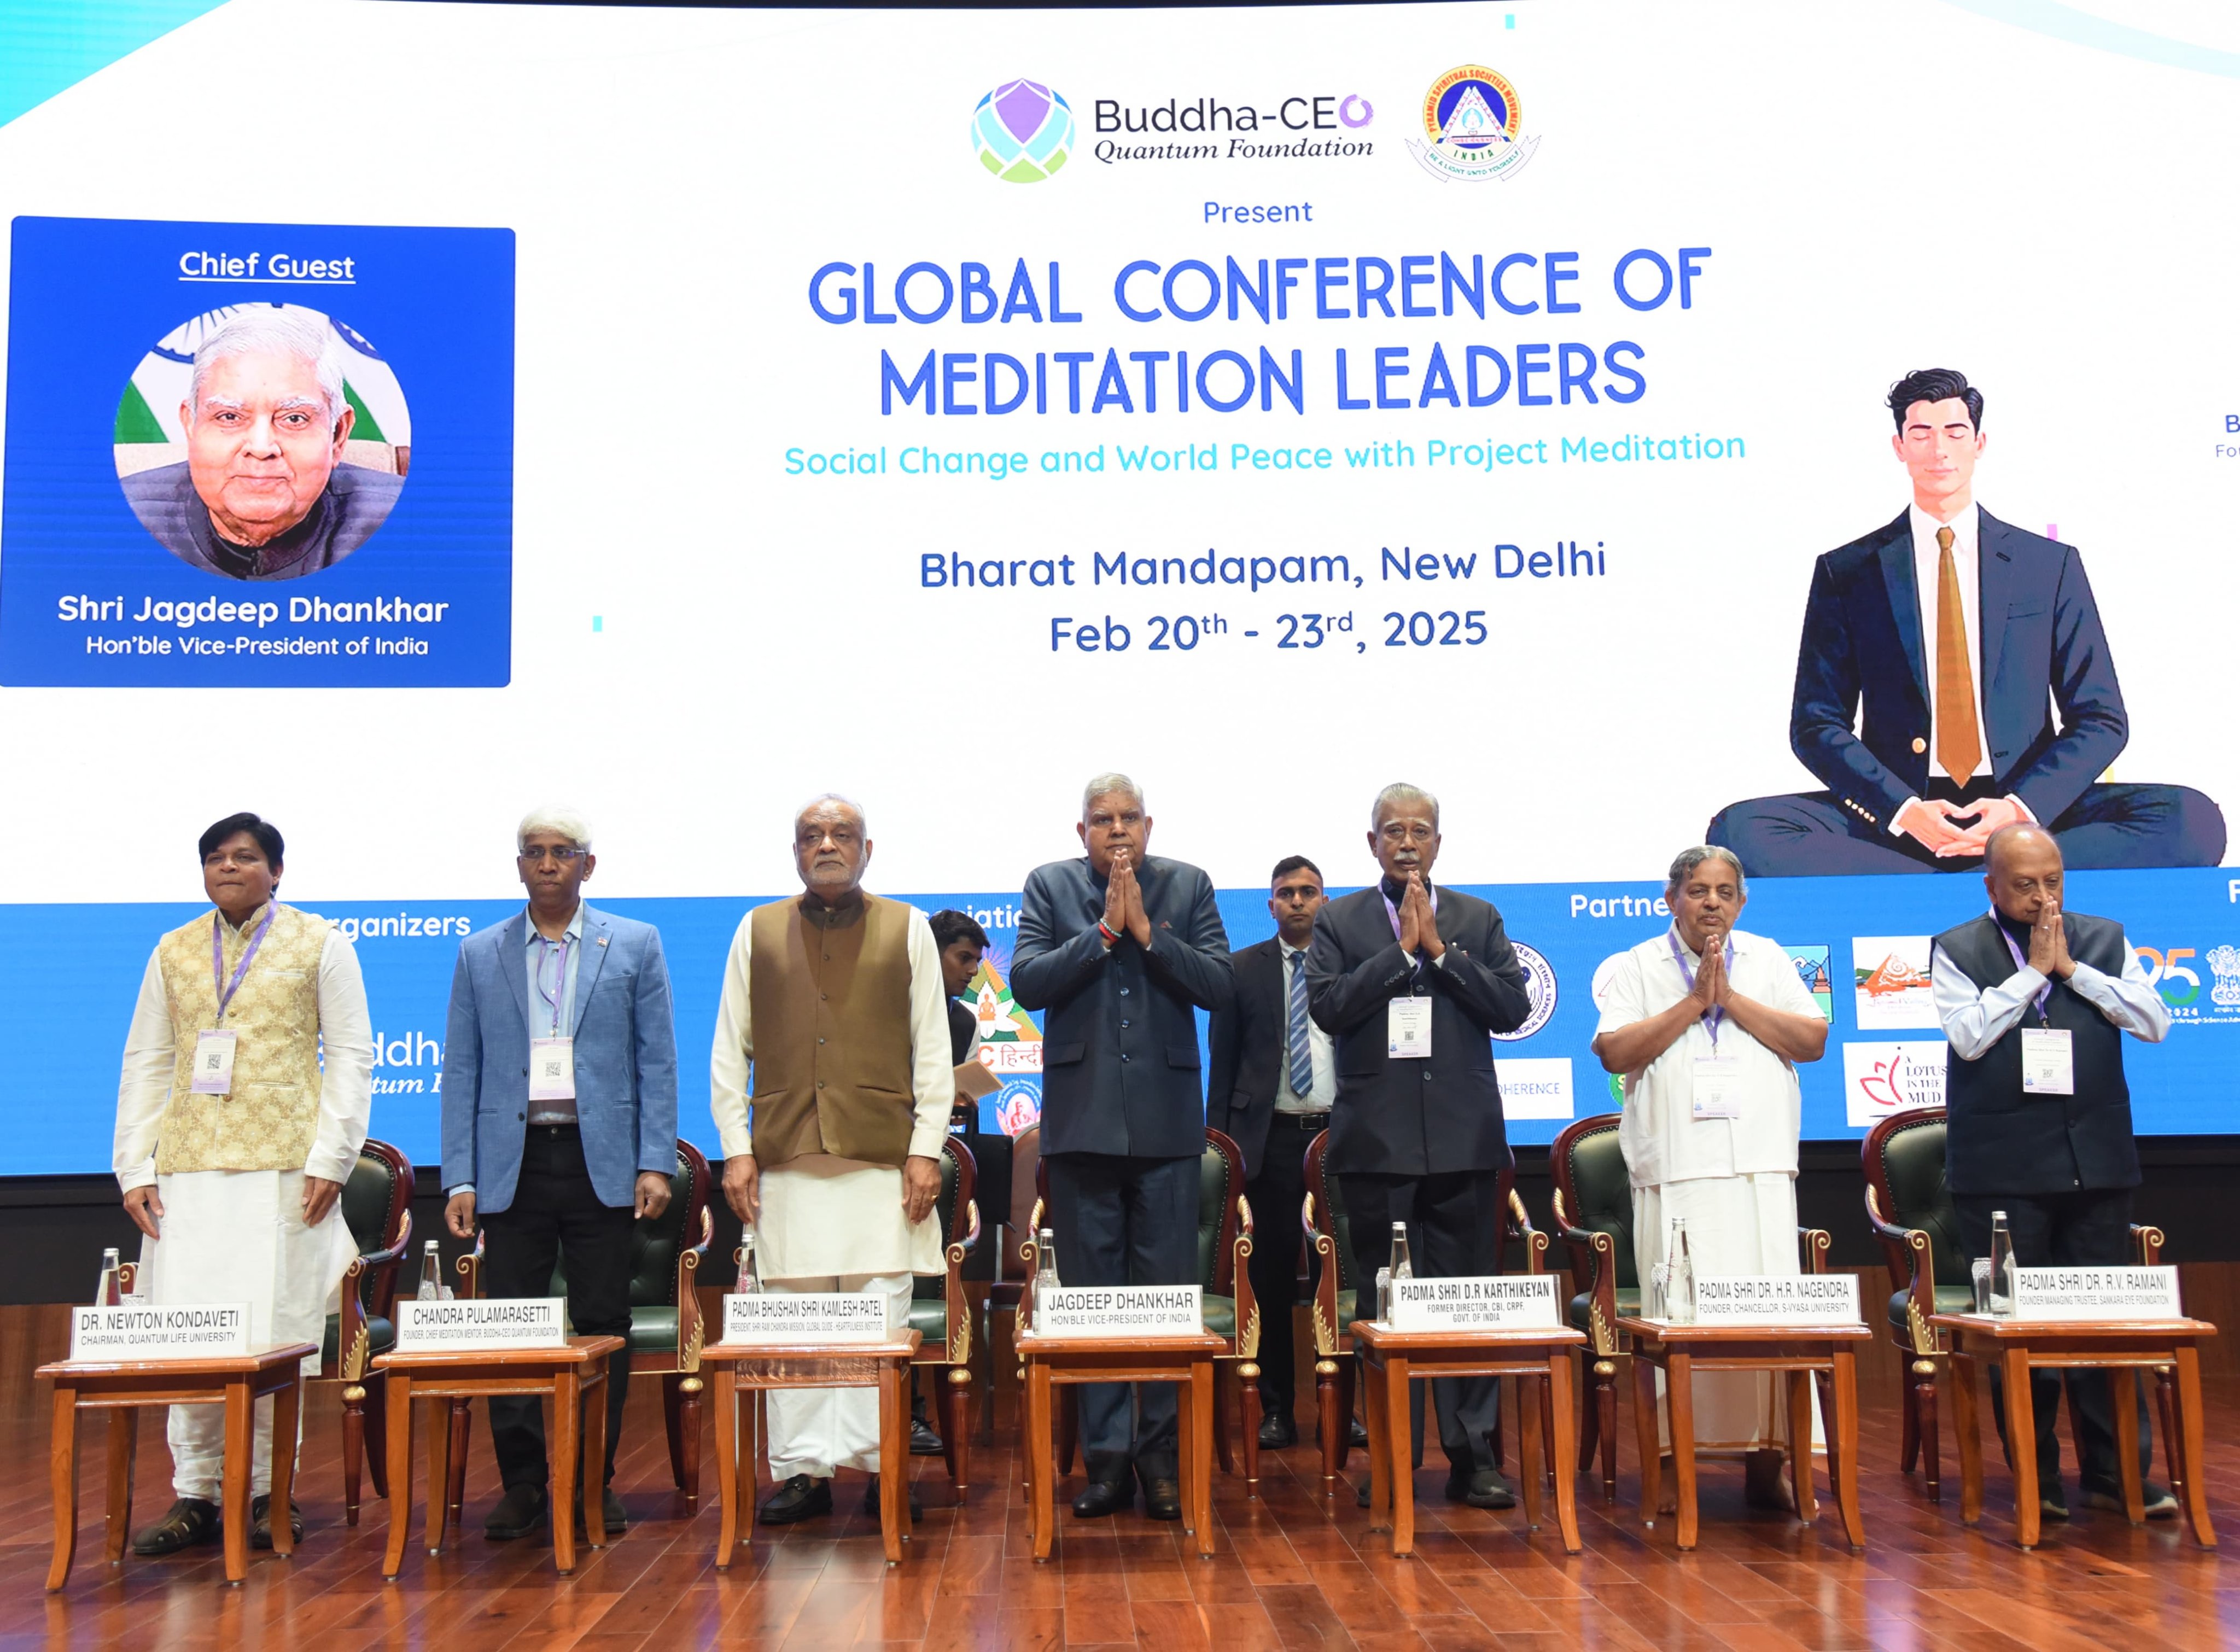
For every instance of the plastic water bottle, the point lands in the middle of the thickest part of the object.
(431, 1274)
(1046, 1263)
(751, 1265)
(1680, 1289)
(1398, 1268)
(109, 1293)
(2002, 1267)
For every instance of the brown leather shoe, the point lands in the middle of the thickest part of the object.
(191, 1521)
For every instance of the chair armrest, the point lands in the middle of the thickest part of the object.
(971, 1242)
(1911, 1246)
(957, 1313)
(1248, 1310)
(1813, 1244)
(127, 1277)
(469, 1269)
(1578, 1241)
(353, 1340)
(1536, 1243)
(385, 1266)
(1601, 1292)
(2149, 1242)
(1326, 1301)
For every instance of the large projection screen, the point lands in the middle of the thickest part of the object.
(941, 408)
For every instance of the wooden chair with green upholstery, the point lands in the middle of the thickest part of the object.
(666, 1329)
(1594, 1218)
(376, 1204)
(942, 1314)
(1910, 1207)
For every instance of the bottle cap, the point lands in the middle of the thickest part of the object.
(1998, 1215)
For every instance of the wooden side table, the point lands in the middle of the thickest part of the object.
(759, 1366)
(121, 1387)
(2122, 1349)
(1186, 1360)
(570, 1374)
(1800, 1353)
(1390, 1360)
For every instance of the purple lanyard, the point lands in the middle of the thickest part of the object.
(225, 989)
(559, 978)
(2021, 962)
(1714, 1015)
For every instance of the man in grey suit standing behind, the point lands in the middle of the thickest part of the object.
(559, 1123)
(1123, 949)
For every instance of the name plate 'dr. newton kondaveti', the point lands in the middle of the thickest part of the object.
(177, 1331)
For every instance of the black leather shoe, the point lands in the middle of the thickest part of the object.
(612, 1515)
(2052, 1504)
(1163, 1498)
(871, 1501)
(2157, 1502)
(1356, 1435)
(924, 1443)
(1480, 1489)
(191, 1521)
(799, 1498)
(1361, 1494)
(1276, 1432)
(1103, 1497)
(520, 1512)
(260, 1522)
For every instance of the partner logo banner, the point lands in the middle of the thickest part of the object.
(1880, 1080)
(1473, 128)
(1890, 976)
(1535, 1087)
(1293, 126)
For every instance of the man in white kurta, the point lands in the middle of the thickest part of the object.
(1707, 1024)
(234, 1187)
(831, 1086)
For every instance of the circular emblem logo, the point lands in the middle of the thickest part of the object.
(1473, 127)
(1022, 131)
(1539, 987)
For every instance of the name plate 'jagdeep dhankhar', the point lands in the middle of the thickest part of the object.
(1119, 1311)
(476, 1323)
(1796, 1299)
(805, 1316)
(181, 1331)
(2096, 1292)
(1490, 1302)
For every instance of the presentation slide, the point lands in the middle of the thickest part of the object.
(414, 414)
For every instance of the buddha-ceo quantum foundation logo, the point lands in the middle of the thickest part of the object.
(1022, 131)
(1473, 128)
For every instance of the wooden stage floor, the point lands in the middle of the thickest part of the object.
(1294, 1573)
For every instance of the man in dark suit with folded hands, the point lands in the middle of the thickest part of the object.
(1412, 981)
(1122, 950)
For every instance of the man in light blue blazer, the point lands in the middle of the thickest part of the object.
(559, 1123)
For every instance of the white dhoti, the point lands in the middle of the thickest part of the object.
(835, 1224)
(1737, 1225)
(239, 1236)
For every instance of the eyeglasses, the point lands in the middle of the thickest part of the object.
(1395, 831)
(565, 853)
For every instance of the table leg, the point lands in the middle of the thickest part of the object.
(594, 1480)
(1529, 1443)
(566, 1458)
(1680, 1405)
(1644, 1434)
(2022, 1442)
(1186, 1432)
(1040, 1466)
(2122, 1392)
(751, 1481)
(1843, 1432)
(439, 1472)
(2188, 1430)
(399, 1401)
(240, 1448)
(894, 1458)
(1799, 1384)
(1380, 1456)
(727, 1461)
(123, 1450)
(1400, 1449)
(62, 1472)
(1200, 1485)
(1970, 1439)
(287, 1407)
(1566, 1465)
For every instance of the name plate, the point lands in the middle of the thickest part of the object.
(1494, 1302)
(1120, 1310)
(495, 1321)
(1799, 1299)
(807, 1316)
(181, 1331)
(2096, 1292)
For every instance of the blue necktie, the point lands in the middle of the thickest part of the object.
(1295, 1035)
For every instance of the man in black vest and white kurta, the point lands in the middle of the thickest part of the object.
(2035, 1001)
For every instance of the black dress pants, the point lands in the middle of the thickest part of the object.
(2087, 1228)
(1277, 1192)
(1454, 1222)
(556, 1217)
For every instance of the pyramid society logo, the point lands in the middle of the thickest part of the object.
(1473, 128)
(1022, 131)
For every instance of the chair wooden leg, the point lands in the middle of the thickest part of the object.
(1908, 1440)
(1335, 1423)
(454, 1487)
(1924, 1399)
(1248, 1408)
(353, 1449)
(1222, 1447)
(377, 1433)
(672, 1397)
(1547, 1429)
(1068, 1427)
(689, 1411)
(1606, 1406)
(1349, 1375)
(957, 1427)
(1590, 1413)
(2165, 1401)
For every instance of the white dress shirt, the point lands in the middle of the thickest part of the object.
(1663, 1140)
(1973, 1019)
(1323, 1090)
(345, 1088)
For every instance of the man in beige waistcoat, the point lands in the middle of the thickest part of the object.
(232, 1144)
(835, 999)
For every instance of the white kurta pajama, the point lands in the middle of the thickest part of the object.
(829, 1223)
(1732, 1179)
(238, 1234)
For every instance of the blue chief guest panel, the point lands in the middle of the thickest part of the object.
(69, 976)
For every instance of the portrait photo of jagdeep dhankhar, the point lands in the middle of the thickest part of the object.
(263, 441)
